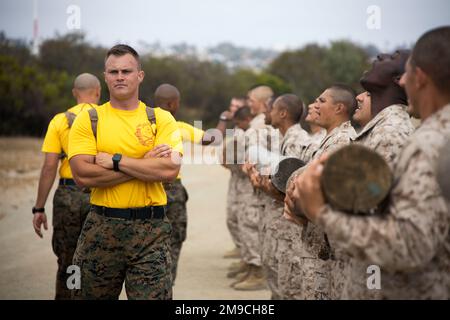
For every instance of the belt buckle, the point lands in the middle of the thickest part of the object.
(152, 212)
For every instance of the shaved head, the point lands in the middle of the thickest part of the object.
(165, 94)
(167, 97)
(86, 81)
(432, 54)
(292, 104)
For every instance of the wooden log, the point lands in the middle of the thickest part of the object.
(356, 180)
(283, 171)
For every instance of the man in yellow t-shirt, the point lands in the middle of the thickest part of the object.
(70, 204)
(126, 236)
(167, 97)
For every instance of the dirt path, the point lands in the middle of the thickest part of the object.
(28, 265)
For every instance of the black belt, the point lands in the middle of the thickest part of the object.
(67, 182)
(154, 212)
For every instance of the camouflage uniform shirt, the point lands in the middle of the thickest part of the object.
(410, 243)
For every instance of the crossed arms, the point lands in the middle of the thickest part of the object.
(158, 165)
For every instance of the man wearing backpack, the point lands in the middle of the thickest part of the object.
(70, 203)
(126, 236)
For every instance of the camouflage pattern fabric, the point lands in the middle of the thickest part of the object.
(112, 251)
(314, 257)
(177, 197)
(410, 242)
(70, 208)
(234, 201)
(387, 134)
(253, 201)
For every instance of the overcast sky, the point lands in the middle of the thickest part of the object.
(254, 23)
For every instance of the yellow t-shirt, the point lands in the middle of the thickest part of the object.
(57, 137)
(131, 134)
(190, 133)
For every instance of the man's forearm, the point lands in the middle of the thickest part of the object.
(88, 174)
(150, 169)
(102, 178)
(46, 180)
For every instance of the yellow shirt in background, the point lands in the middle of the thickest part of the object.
(131, 134)
(190, 133)
(57, 137)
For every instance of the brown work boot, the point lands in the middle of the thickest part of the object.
(235, 265)
(232, 254)
(242, 267)
(255, 280)
(241, 276)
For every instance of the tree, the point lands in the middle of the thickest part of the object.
(29, 97)
(346, 63)
(313, 68)
(34, 89)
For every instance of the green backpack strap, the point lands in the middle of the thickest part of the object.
(151, 114)
(70, 118)
(151, 117)
(93, 115)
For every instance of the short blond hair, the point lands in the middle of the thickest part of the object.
(261, 93)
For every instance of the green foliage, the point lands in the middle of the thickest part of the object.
(312, 69)
(29, 97)
(34, 89)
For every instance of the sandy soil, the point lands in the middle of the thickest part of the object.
(28, 265)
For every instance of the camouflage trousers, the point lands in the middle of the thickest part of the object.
(291, 279)
(70, 208)
(233, 206)
(269, 246)
(304, 262)
(177, 197)
(112, 251)
(250, 211)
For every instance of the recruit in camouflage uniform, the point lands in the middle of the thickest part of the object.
(281, 236)
(312, 268)
(271, 209)
(237, 180)
(314, 142)
(386, 134)
(253, 202)
(410, 242)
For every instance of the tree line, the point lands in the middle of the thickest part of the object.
(34, 88)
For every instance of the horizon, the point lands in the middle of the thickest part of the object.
(280, 25)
